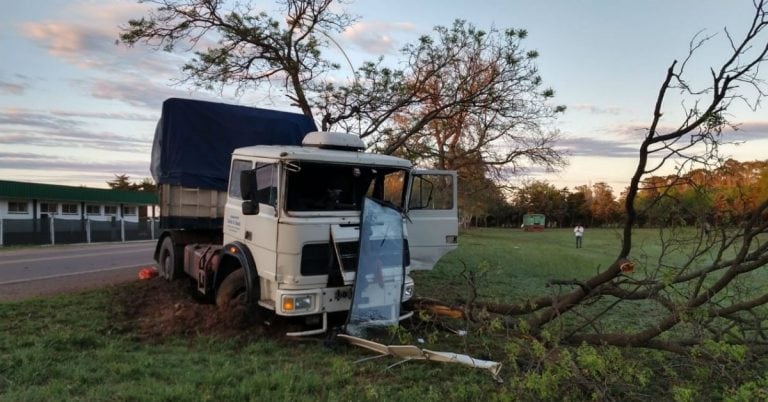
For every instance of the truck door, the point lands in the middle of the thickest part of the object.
(257, 229)
(433, 228)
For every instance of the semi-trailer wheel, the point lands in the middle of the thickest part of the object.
(170, 260)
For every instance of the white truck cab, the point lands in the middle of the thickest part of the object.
(291, 223)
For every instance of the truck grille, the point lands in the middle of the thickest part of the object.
(320, 259)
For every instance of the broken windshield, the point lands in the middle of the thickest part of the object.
(313, 186)
(378, 288)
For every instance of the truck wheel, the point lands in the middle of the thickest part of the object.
(170, 260)
(232, 291)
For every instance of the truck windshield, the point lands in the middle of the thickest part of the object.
(313, 186)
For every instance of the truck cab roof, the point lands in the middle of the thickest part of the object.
(307, 153)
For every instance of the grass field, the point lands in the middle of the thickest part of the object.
(82, 346)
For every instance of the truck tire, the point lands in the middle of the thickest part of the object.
(232, 291)
(170, 260)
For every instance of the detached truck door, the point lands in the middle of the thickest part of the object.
(433, 229)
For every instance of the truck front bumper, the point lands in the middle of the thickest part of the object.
(321, 302)
(301, 302)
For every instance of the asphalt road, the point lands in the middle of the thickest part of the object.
(37, 271)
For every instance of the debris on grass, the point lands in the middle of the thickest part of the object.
(411, 352)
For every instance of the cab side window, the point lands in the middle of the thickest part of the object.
(431, 191)
(266, 192)
(238, 166)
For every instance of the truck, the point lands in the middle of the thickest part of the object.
(260, 209)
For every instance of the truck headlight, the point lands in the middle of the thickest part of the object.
(407, 291)
(297, 303)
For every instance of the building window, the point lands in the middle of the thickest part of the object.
(93, 210)
(18, 207)
(69, 209)
(129, 211)
(49, 208)
(110, 210)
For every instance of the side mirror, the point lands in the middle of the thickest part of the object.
(248, 184)
(250, 207)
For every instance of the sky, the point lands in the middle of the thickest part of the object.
(77, 107)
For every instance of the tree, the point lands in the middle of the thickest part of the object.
(146, 184)
(253, 49)
(705, 285)
(583, 200)
(465, 96)
(542, 197)
(576, 210)
(120, 182)
(467, 99)
(123, 182)
(604, 208)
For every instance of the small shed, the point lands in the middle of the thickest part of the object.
(534, 222)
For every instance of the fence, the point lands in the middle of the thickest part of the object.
(67, 231)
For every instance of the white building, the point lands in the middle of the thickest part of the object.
(20, 200)
(33, 213)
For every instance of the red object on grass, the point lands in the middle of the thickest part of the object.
(147, 273)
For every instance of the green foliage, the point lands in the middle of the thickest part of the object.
(756, 390)
(683, 394)
(123, 182)
(71, 347)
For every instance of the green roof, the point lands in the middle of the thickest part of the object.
(17, 189)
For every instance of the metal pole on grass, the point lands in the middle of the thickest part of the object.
(88, 230)
(122, 230)
(53, 230)
(1, 232)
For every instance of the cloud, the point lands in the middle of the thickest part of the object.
(12, 88)
(22, 117)
(623, 140)
(586, 146)
(93, 47)
(757, 130)
(87, 36)
(34, 128)
(42, 162)
(596, 109)
(376, 37)
(17, 86)
(137, 91)
(107, 116)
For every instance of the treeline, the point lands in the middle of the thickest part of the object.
(704, 197)
(123, 182)
(696, 198)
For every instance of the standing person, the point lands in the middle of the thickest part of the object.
(578, 231)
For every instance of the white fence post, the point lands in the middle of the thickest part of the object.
(88, 230)
(122, 230)
(53, 230)
(1, 231)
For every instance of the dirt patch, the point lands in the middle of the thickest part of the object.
(156, 309)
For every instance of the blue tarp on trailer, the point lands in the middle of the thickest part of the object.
(194, 139)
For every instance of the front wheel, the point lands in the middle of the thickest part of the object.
(232, 291)
(232, 300)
